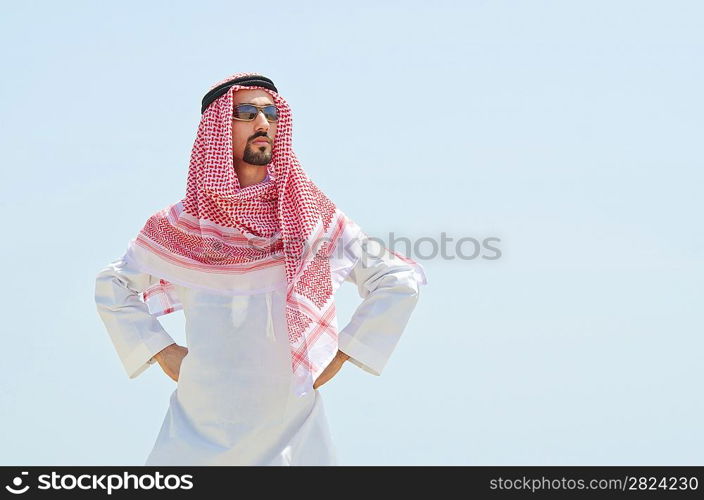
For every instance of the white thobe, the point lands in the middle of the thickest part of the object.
(233, 403)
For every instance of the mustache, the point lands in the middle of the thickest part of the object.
(255, 137)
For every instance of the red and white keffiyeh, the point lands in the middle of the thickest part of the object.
(224, 238)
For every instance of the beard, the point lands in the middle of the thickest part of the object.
(257, 155)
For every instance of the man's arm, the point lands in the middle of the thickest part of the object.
(136, 335)
(390, 289)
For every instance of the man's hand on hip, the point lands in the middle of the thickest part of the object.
(170, 358)
(331, 369)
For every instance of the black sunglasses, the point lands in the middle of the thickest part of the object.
(248, 112)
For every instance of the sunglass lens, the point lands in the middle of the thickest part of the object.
(271, 113)
(245, 112)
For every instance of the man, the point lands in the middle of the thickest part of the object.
(253, 255)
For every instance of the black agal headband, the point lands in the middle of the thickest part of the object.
(246, 81)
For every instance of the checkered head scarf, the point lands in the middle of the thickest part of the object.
(224, 238)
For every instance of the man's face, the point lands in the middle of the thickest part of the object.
(244, 134)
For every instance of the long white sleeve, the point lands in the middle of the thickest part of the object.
(136, 334)
(390, 289)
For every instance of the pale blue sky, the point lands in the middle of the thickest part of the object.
(572, 131)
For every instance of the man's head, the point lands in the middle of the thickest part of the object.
(245, 134)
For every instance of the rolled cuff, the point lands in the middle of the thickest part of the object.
(362, 355)
(141, 356)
